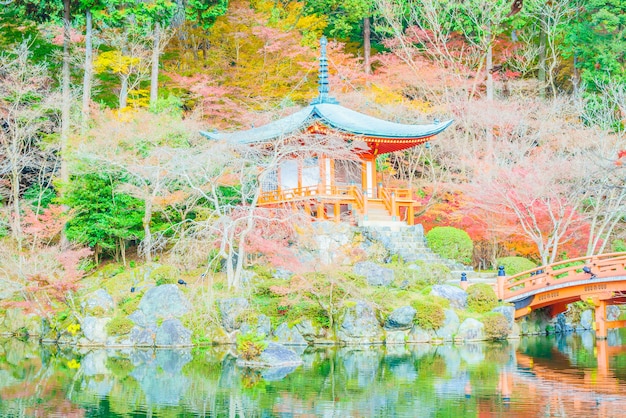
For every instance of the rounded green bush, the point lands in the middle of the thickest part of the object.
(481, 298)
(429, 315)
(514, 265)
(496, 326)
(451, 243)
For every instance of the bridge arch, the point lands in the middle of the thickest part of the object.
(599, 279)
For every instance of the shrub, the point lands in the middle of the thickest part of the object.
(428, 314)
(481, 298)
(165, 275)
(250, 345)
(120, 325)
(618, 246)
(514, 265)
(451, 243)
(496, 326)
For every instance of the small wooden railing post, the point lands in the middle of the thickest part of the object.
(394, 207)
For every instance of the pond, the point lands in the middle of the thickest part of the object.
(563, 376)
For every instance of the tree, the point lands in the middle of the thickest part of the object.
(25, 112)
(142, 147)
(596, 41)
(101, 217)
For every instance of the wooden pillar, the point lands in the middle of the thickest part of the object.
(410, 215)
(307, 208)
(320, 210)
(337, 212)
(601, 329)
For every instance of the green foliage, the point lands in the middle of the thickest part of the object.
(481, 298)
(165, 275)
(618, 246)
(596, 38)
(102, 217)
(514, 265)
(250, 346)
(38, 196)
(120, 325)
(496, 326)
(451, 243)
(429, 315)
(129, 304)
(575, 311)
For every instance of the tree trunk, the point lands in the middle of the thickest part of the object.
(87, 76)
(489, 63)
(154, 76)
(66, 94)
(541, 75)
(15, 195)
(367, 46)
(123, 91)
(147, 239)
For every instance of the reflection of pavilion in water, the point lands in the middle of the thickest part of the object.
(585, 391)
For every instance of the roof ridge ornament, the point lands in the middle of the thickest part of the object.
(324, 85)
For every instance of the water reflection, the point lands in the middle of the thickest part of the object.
(571, 376)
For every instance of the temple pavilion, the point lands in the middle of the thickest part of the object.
(339, 189)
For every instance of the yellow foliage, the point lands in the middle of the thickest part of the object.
(114, 61)
(73, 364)
(386, 96)
(73, 329)
(139, 98)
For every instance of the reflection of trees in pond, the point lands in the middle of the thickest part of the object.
(348, 381)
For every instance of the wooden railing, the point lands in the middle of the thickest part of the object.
(599, 266)
(392, 198)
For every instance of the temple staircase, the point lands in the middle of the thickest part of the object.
(378, 216)
(409, 243)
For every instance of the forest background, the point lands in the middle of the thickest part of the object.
(102, 101)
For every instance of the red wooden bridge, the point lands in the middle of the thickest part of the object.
(599, 280)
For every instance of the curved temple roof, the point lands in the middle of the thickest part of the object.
(381, 136)
(336, 117)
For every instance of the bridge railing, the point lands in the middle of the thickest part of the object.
(597, 266)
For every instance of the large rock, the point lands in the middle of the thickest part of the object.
(263, 326)
(98, 300)
(450, 326)
(143, 336)
(418, 335)
(612, 313)
(471, 330)
(586, 319)
(94, 330)
(508, 312)
(456, 295)
(165, 301)
(310, 332)
(401, 318)
(274, 355)
(289, 336)
(173, 334)
(358, 325)
(330, 238)
(374, 274)
(395, 337)
(16, 321)
(230, 310)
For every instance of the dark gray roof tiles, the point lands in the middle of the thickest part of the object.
(334, 116)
